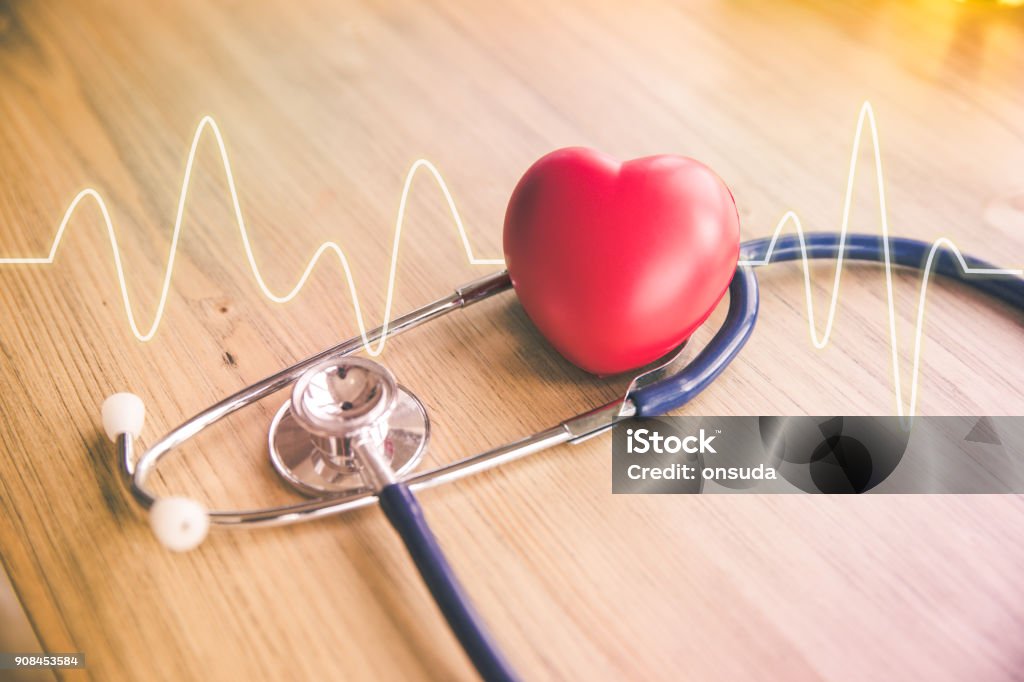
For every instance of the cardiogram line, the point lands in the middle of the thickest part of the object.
(867, 117)
(207, 122)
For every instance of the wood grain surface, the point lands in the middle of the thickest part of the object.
(323, 109)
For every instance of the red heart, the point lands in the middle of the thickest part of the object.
(618, 263)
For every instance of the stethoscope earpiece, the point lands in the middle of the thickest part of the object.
(179, 523)
(123, 413)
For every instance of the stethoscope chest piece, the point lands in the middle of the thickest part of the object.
(338, 408)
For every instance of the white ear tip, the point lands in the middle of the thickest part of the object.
(179, 523)
(123, 413)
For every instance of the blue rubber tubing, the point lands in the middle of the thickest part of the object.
(909, 253)
(679, 389)
(675, 391)
(406, 516)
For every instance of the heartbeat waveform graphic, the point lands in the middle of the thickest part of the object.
(208, 123)
(867, 118)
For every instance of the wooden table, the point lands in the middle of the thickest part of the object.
(323, 109)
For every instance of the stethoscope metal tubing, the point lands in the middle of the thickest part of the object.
(282, 379)
(571, 430)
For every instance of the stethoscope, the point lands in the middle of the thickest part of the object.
(351, 435)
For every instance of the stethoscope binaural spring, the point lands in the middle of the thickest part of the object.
(351, 435)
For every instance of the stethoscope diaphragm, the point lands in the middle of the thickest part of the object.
(337, 407)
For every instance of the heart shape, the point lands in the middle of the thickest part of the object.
(618, 263)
